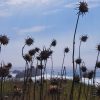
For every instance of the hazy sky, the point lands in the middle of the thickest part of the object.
(45, 20)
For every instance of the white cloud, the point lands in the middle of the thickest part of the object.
(14, 6)
(30, 2)
(70, 5)
(52, 11)
(91, 4)
(34, 29)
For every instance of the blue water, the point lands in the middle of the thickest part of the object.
(70, 72)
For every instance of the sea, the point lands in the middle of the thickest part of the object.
(69, 74)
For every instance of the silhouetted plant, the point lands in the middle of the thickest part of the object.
(97, 63)
(66, 50)
(83, 38)
(28, 59)
(83, 68)
(4, 72)
(29, 41)
(4, 40)
(78, 61)
(4, 69)
(42, 58)
(82, 9)
(53, 43)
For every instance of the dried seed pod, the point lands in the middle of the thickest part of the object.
(66, 50)
(37, 49)
(90, 74)
(28, 57)
(45, 54)
(32, 52)
(78, 61)
(4, 39)
(9, 65)
(38, 58)
(83, 7)
(54, 42)
(98, 64)
(29, 41)
(84, 38)
(4, 72)
(98, 47)
(83, 68)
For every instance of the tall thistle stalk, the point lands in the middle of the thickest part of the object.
(66, 50)
(4, 40)
(42, 58)
(53, 44)
(97, 65)
(83, 8)
(82, 39)
(27, 57)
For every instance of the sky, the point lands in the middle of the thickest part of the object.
(45, 20)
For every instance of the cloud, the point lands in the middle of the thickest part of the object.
(91, 4)
(30, 2)
(34, 29)
(52, 11)
(24, 6)
(70, 5)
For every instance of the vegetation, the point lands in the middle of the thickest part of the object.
(57, 88)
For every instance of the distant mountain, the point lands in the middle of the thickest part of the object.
(29, 72)
(16, 71)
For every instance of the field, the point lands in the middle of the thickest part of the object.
(13, 90)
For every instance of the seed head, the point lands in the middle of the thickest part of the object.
(32, 52)
(83, 7)
(90, 74)
(53, 43)
(37, 49)
(4, 72)
(66, 50)
(28, 57)
(98, 47)
(78, 61)
(84, 38)
(98, 64)
(8, 66)
(29, 41)
(83, 68)
(4, 40)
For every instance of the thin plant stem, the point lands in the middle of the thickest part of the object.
(73, 57)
